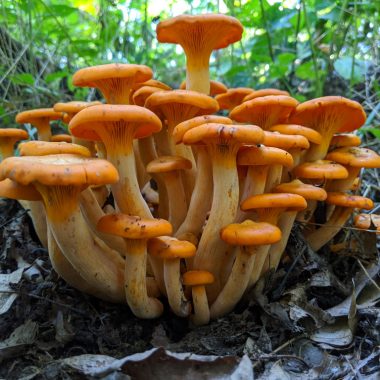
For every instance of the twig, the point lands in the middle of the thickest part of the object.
(336, 226)
(276, 357)
(42, 299)
(14, 218)
(280, 348)
(313, 54)
(367, 274)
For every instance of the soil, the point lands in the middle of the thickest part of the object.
(273, 325)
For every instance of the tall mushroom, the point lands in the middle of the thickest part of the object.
(327, 115)
(8, 138)
(136, 231)
(252, 239)
(201, 198)
(39, 118)
(117, 126)
(199, 35)
(60, 179)
(223, 142)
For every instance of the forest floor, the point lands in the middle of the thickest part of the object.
(317, 317)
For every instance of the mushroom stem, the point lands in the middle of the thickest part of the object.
(260, 257)
(223, 211)
(285, 224)
(198, 73)
(43, 129)
(254, 184)
(92, 212)
(201, 199)
(135, 281)
(201, 314)
(38, 216)
(65, 270)
(176, 297)
(274, 178)
(127, 191)
(324, 234)
(237, 281)
(177, 198)
(99, 266)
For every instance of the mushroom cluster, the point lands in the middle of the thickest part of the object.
(202, 203)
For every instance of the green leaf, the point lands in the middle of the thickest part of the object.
(23, 79)
(344, 68)
(305, 70)
(55, 76)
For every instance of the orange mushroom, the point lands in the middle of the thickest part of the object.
(201, 197)
(8, 138)
(328, 115)
(344, 205)
(171, 251)
(136, 231)
(223, 142)
(198, 279)
(60, 179)
(114, 80)
(199, 35)
(264, 111)
(39, 118)
(252, 239)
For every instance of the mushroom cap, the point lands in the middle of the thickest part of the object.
(320, 169)
(165, 164)
(233, 97)
(62, 138)
(214, 30)
(263, 155)
(186, 125)
(215, 87)
(88, 76)
(286, 142)
(295, 129)
(59, 170)
(288, 201)
(345, 139)
(355, 157)
(151, 83)
(167, 247)
(250, 233)
(265, 111)
(343, 115)
(85, 123)
(197, 278)
(13, 190)
(305, 190)
(133, 227)
(362, 221)
(14, 133)
(142, 94)
(220, 134)
(43, 148)
(74, 106)
(347, 200)
(31, 116)
(205, 104)
(265, 92)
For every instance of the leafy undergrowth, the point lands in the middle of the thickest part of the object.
(289, 326)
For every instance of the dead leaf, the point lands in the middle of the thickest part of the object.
(7, 297)
(163, 365)
(19, 340)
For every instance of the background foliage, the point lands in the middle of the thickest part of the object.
(309, 47)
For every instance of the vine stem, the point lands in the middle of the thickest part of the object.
(355, 46)
(318, 91)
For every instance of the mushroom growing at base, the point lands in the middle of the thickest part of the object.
(136, 231)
